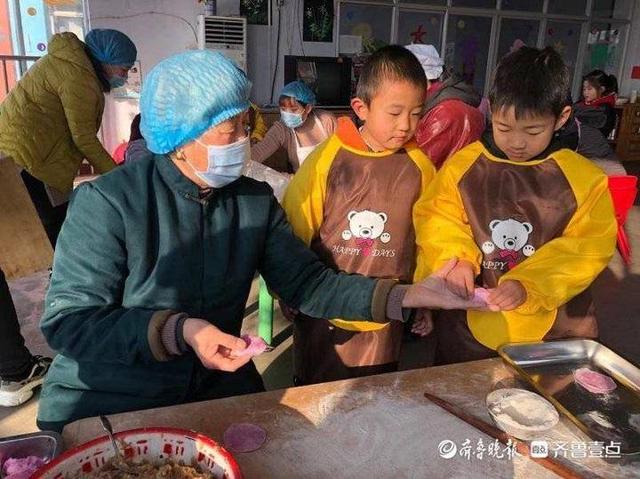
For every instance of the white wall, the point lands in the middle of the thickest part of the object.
(159, 35)
(156, 37)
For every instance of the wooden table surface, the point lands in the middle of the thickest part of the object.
(374, 427)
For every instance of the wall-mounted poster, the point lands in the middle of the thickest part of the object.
(604, 47)
(256, 11)
(318, 21)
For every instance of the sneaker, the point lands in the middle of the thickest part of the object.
(14, 393)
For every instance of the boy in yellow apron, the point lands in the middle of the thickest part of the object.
(530, 220)
(352, 201)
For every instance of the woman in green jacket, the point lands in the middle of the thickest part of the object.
(155, 261)
(50, 119)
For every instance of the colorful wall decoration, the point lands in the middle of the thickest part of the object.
(367, 21)
(420, 27)
(33, 17)
(467, 47)
(602, 43)
(564, 37)
(318, 18)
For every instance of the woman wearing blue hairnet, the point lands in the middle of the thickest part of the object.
(145, 305)
(48, 124)
(300, 129)
(50, 119)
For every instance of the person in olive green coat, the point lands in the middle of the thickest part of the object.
(156, 259)
(50, 119)
(48, 124)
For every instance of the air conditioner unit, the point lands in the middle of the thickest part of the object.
(227, 35)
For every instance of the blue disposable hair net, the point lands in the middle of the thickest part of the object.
(188, 93)
(300, 91)
(111, 47)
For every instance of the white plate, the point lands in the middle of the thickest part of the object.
(521, 413)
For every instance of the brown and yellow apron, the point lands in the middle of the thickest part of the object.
(366, 228)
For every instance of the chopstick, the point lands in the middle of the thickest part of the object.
(554, 466)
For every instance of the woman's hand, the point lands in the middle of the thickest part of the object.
(433, 293)
(216, 350)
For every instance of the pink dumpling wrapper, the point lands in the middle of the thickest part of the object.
(480, 295)
(594, 382)
(255, 346)
(244, 437)
(22, 468)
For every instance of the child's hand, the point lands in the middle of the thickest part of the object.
(433, 293)
(460, 279)
(508, 296)
(422, 323)
(288, 312)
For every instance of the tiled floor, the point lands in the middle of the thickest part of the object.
(616, 292)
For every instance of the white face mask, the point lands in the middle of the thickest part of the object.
(225, 163)
(117, 81)
(291, 120)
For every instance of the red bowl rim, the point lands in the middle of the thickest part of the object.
(173, 430)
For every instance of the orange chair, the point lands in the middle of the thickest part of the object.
(623, 192)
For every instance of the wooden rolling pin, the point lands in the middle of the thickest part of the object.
(554, 466)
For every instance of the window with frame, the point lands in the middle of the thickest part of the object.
(564, 37)
(468, 38)
(472, 35)
(418, 26)
(370, 22)
(26, 29)
(32, 23)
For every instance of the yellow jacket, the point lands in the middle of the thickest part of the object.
(342, 183)
(50, 119)
(548, 223)
(257, 124)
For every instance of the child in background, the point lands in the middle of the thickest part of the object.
(529, 219)
(137, 147)
(452, 119)
(591, 143)
(596, 109)
(352, 201)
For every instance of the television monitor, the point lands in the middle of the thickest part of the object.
(328, 77)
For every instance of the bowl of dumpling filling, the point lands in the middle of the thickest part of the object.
(147, 453)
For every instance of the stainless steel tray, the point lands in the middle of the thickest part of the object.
(46, 445)
(549, 368)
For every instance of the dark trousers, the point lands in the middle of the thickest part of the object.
(14, 356)
(51, 216)
(205, 385)
(324, 352)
